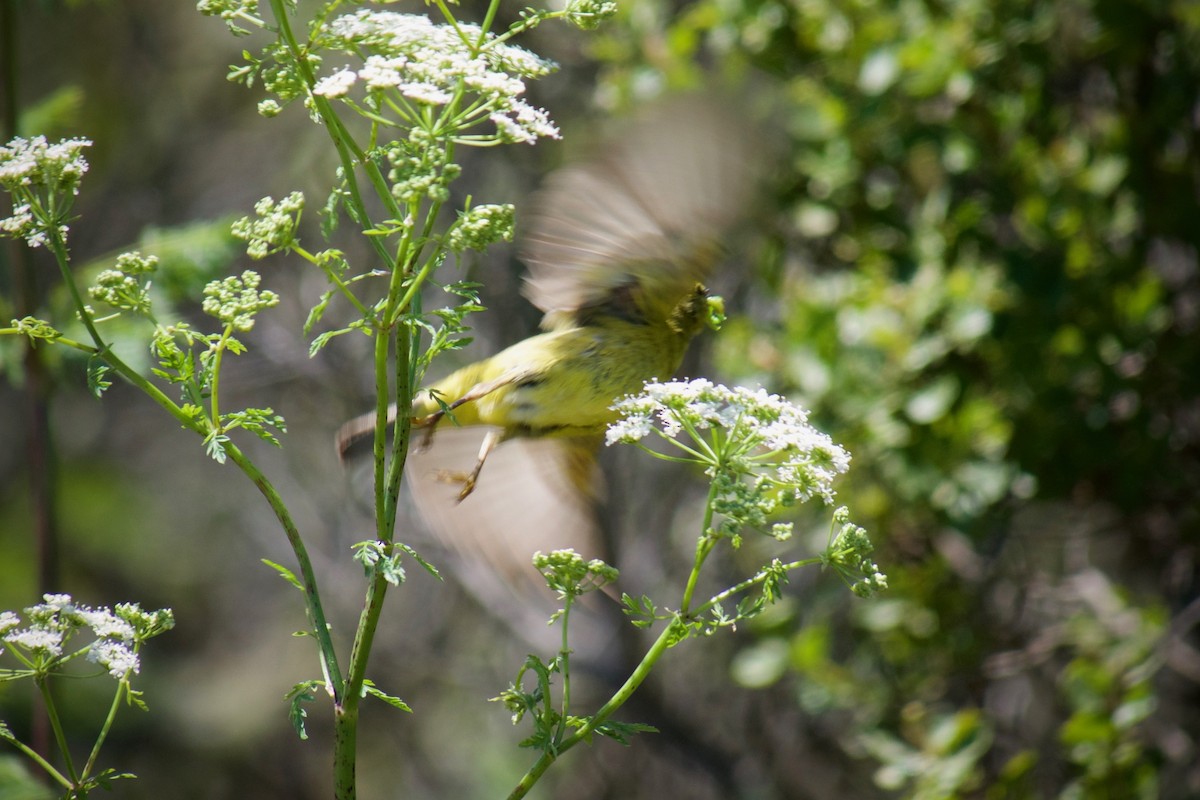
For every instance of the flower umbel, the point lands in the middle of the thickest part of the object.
(126, 286)
(848, 554)
(235, 300)
(43, 179)
(481, 226)
(418, 63)
(273, 227)
(42, 645)
(567, 573)
(759, 449)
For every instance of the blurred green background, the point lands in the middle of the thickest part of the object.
(977, 265)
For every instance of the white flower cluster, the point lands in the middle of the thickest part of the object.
(754, 418)
(53, 622)
(758, 448)
(42, 179)
(431, 64)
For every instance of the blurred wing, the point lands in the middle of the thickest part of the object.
(533, 494)
(649, 209)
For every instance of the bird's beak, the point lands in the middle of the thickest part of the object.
(716, 311)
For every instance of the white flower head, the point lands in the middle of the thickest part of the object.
(37, 163)
(40, 641)
(758, 448)
(39, 176)
(338, 84)
(115, 656)
(431, 64)
(107, 625)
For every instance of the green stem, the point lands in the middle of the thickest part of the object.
(122, 685)
(348, 151)
(754, 580)
(333, 278)
(404, 399)
(85, 348)
(311, 592)
(619, 698)
(703, 547)
(46, 766)
(668, 637)
(312, 595)
(379, 445)
(60, 736)
(564, 656)
(214, 409)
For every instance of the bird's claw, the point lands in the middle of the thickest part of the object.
(466, 479)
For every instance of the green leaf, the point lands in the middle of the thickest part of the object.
(391, 700)
(214, 445)
(430, 568)
(621, 731)
(316, 312)
(285, 573)
(323, 339)
(97, 376)
(642, 611)
(301, 693)
(256, 421)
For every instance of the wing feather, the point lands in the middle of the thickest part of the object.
(650, 208)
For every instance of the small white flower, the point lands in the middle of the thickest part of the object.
(269, 107)
(765, 456)
(116, 657)
(431, 64)
(37, 640)
(426, 93)
(107, 625)
(336, 85)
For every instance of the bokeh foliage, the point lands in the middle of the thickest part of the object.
(984, 279)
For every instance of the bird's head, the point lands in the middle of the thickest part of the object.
(697, 310)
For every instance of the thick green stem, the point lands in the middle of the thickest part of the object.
(404, 399)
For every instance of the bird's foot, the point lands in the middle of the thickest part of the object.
(466, 479)
(427, 428)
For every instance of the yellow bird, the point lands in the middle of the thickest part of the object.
(618, 250)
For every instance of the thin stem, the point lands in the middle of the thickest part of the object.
(564, 657)
(56, 725)
(122, 685)
(703, 547)
(37, 758)
(619, 698)
(219, 348)
(404, 398)
(379, 445)
(754, 580)
(335, 279)
(312, 594)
